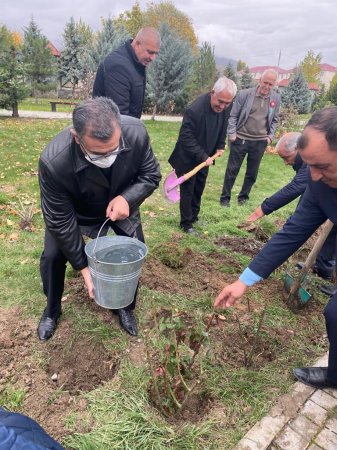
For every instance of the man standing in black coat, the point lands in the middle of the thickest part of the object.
(101, 167)
(202, 134)
(318, 149)
(122, 77)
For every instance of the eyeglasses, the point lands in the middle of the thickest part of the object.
(99, 156)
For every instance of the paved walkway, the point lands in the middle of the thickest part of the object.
(62, 115)
(304, 419)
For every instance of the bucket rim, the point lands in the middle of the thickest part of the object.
(137, 242)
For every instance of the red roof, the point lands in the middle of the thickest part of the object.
(311, 86)
(258, 69)
(324, 68)
(53, 49)
(328, 67)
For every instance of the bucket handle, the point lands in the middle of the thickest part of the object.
(100, 230)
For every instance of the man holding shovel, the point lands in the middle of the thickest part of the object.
(102, 166)
(286, 148)
(318, 149)
(202, 134)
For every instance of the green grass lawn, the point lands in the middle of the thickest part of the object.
(43, 104)
(120, 409)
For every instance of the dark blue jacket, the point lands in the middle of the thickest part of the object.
(19, 432)
(319, 202)
(122, 78)
(292, 190)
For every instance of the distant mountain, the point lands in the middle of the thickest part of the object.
(222, 62)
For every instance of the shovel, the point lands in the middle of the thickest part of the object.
(293, 293)
(171, 183)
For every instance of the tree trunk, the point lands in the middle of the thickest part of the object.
(154, 112)
(15, 110)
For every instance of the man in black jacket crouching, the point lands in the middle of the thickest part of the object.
(101, 167)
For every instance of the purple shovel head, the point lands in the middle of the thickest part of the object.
(170, 187)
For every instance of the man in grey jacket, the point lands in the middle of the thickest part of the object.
(251, 127)
(101, 167)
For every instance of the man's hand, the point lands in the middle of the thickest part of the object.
(230, 294)
(209, 161)
(88, 282)
(232, 138)
(220, 151)
(257, 214)
(118, 209)
(269, 140)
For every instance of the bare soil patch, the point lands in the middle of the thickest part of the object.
(53, 374)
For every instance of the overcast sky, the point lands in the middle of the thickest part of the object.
(254, 31)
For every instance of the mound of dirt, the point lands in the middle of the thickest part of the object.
(52, 373)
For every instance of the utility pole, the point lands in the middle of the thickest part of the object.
(278, 67)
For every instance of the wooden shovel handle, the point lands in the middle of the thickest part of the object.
(196, 169)
(327, 227)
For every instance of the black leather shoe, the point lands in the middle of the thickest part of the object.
(316, 377)
(225, 203)
(127, 321)
(242, 201)
(328, 289)
(47, 326)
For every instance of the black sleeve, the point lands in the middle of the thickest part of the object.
(288, 193)
(298, 228)
(60, 218)
(188, 136)
(118, 87)
(99, 89)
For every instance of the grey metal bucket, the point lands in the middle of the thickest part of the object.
(115, 264)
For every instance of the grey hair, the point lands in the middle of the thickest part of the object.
(96, 117)
(225, 84)
(288, 141)
(271, 71)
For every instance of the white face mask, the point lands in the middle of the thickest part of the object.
(103, 163)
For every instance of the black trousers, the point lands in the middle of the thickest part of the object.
(330, 314)
(53, 268)
(238, 151)
(190, 198)
(326, 259)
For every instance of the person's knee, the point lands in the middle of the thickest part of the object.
(52, 256)
(330, 311)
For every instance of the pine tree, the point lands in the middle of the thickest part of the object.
(70, 68)
(230, 73)
(105, 41)
(204, 71)
(168, 74)
(246, 80)
(297, 94)
(332, 92)
(110, 38)
(38, 59)
(320, 99)
(12, 70)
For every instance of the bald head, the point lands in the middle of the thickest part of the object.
(146, 45)
(286, 147)
(267, 82)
